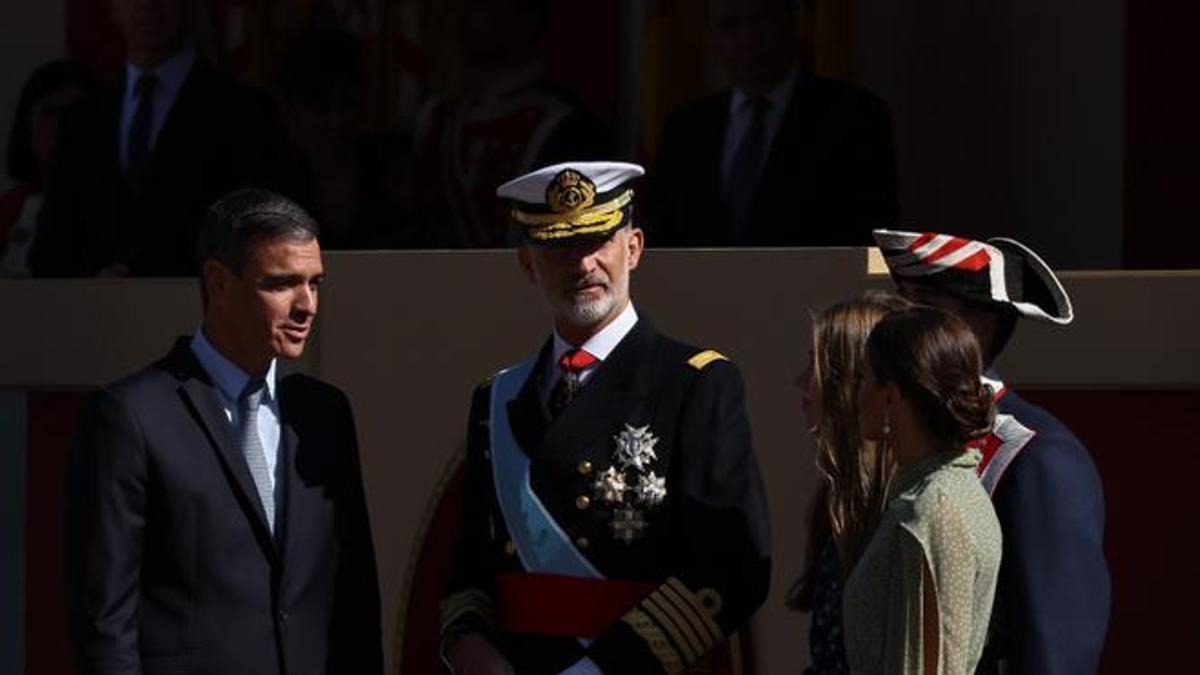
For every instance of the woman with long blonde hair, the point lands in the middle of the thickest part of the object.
(855, 474)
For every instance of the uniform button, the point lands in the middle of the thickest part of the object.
(585, 468)
(582, 502)
(509, 547)
(487, 454)
(582, 542)
(282, 616)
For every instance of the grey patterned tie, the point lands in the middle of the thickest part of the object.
(252, 448)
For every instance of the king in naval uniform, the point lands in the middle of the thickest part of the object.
(615, 520)
(1053, 595)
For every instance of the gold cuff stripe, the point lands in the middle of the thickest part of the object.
(699, 361)
(680, 634)
(466, 602)
(667, 598)
(582, 216)
(702, 611)
(646, 629)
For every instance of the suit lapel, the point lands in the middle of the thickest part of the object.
(289, 501)
(202, 399)
(526, 416)
(179, 117)
(713, 149)
(786, 171)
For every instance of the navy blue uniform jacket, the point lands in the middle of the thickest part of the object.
(1053, 595)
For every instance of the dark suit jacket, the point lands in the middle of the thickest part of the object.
(829, 176)
(1053, 596)
(711, 533)
(218, 136)
(173, 568)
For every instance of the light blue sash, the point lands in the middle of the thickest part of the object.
(541, 544)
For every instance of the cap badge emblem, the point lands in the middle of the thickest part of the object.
(570, 191)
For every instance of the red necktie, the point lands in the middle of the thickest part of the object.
(575, 361)
(572, 363)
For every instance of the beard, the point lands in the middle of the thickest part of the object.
(586, 313)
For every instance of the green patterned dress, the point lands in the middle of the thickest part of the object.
(940, 519)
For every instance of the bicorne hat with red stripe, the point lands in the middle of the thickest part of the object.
(1001, 271)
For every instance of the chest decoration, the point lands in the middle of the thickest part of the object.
(630, 487)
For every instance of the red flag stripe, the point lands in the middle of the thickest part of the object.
(946, 249)
(921, 241)
(977, 261)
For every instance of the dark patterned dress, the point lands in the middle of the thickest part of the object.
(825, 641)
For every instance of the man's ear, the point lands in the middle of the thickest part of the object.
(636, 244)
(525, 260)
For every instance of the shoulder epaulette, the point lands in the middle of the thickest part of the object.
(702, 359)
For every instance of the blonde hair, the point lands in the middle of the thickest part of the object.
(855, 471)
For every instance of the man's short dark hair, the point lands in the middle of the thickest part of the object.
(242, 220)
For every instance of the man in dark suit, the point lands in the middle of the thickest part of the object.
(139, 167)
(218, 521)
(615, 519)
(783, 158)
(1053, 595)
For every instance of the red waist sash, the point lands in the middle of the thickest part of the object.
(553, 604)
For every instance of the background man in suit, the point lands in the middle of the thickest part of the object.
(138, 169)
(615, 520)
(783, 158)
(1053, 594)
(218, 518)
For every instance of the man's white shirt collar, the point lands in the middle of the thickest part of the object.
(603, 343)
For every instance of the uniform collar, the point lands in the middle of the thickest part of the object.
(229, 378)
(603, 343)
(992, 379)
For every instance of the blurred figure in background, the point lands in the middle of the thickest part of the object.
(324, 90)
(782, 158)
(506, 121)
(140, 167)
(46, 98)
(855, 473)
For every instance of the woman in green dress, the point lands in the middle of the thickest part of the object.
(919, 600)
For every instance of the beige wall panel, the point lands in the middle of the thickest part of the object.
(409, 334)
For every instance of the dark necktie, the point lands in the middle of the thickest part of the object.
(138, 150)
(252, 448)
(746, 168)
(572, 364)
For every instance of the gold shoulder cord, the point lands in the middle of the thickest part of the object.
(701, 360)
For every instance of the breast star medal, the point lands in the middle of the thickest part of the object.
(630, 487)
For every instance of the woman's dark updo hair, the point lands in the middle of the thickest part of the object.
(932, 356)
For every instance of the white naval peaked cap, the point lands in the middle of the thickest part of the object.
(572, 201)
(605, 176)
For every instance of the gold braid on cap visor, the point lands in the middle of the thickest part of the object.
(593, 220)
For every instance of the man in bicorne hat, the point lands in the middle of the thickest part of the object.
(615, 519)
(1053, 597)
